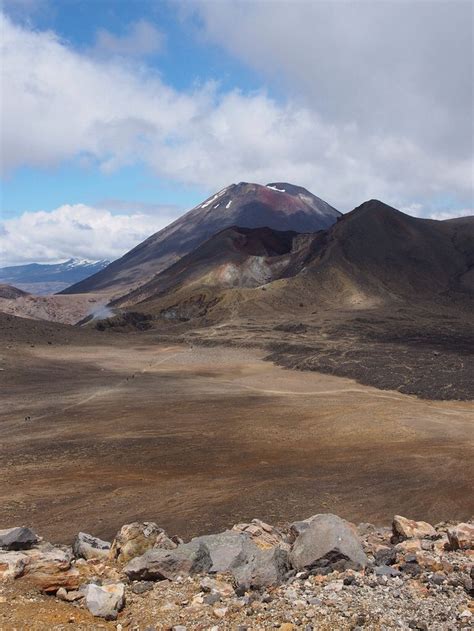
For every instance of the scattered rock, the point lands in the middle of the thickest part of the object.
(105, 601)
(220, 612)
(414, 583)
(142, 587)
(322, 535)
(461, 537)
(386, 570)
(17, 538)
(158, 564)
(216, 586)
(404, 528)
(88, 547)
(134, 539)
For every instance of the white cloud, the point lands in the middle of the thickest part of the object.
(75, 231)
(393, 67)
(418, 210)
(58, 104)
(141, 40)
(459, 212)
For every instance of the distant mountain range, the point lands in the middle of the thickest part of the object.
(278, 206)
(41, 278)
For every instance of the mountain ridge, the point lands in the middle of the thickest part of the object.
(245, 205)
(373, 255)
(45, 278)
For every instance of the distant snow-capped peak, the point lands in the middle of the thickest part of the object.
(76, 262)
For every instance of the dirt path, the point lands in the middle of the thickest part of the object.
(104, 392)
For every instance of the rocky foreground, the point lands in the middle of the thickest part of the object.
(320, 573)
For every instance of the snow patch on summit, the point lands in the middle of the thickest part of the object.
(274, 188)
(213, 198)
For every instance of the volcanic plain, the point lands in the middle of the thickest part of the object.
(103, 428)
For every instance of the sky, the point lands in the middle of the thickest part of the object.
(119, 115)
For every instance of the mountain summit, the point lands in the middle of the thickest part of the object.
(279, 206)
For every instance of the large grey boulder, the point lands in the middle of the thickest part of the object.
(240, 555)
(226, 549)
(160, 564)
(20, 538)
(257, 567)
(324, 535)
(88, 547)
(105, 601)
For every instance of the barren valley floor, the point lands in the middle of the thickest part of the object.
(197, 439)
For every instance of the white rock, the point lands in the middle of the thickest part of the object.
(12, 564)
(105, 601)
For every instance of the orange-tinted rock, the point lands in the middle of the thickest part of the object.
(136, 538)
(262, 534)
(404, 528)
(49, 568)
(461, 537)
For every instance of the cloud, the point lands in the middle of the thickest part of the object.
(76, 231)
(338, 136)
(393, 68)
(418, 210)
(142, 39)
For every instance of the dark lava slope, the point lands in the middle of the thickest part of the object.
(234, 257)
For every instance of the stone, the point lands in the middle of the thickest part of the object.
(88, 547)
(71, 596)
(461, 537)
(404, 528)
(225, 548)
(262, 534)
(105, 601)
(324, 535)
(134, 539)
(212, 598)
(428, 562)
(12, 564)
(257, 567)
(216, 586)
(250, 564)
(141, 587)
(408, 546)
(49, 568)
(220, 612)
(158, 564)
(385, 556)
(438, 579)
(20, 538)
(386, 570)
